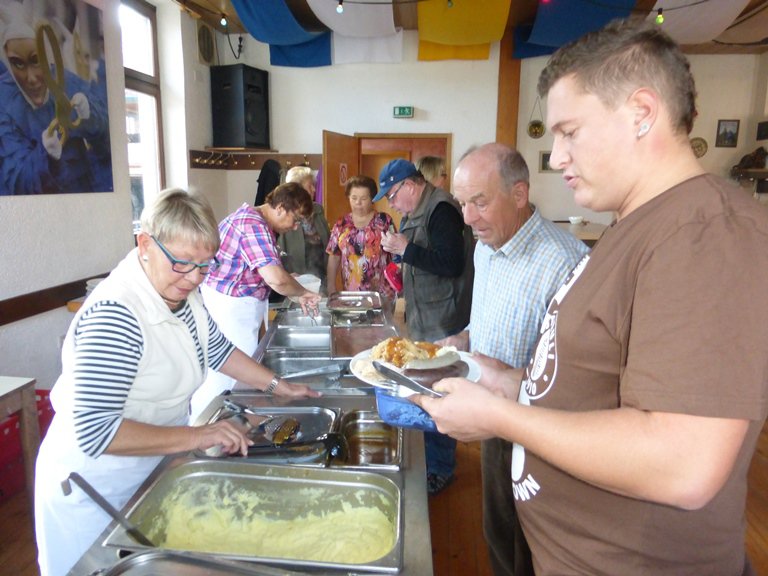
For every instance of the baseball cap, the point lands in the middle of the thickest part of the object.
(395, 171)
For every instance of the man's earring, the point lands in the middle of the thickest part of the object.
(644, 127)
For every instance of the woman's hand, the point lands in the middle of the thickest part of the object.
(309, 302)
(289, 390)
(227, 434)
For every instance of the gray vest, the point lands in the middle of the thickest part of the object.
(435, 306)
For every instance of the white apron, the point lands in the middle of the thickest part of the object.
(240, 319)
(168, 373)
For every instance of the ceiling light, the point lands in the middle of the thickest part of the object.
(340, 7)
(660, 16)
(223, 20)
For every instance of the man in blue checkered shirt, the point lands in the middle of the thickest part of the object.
(521, 260)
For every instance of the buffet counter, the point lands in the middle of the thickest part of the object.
(344, 396)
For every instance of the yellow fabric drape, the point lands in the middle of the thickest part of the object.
(466, 23)
(429, 51)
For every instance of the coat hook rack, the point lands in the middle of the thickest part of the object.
(245, 159)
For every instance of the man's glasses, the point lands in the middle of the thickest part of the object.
(185, 266)
(391, 195)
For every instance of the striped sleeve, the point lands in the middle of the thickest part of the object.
(108, 347)
(219, 348)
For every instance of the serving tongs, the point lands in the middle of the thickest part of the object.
(402, 380)
(333, 444)
(277, 429)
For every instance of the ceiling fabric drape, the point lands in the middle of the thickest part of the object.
(689, 23)
(362, 32)
(271, 22)
(357, 20)
(558, 23)
(464, 23)
(752, 28)
(460, 31)
(430, 51)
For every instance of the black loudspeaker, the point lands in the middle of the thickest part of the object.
(240, 106)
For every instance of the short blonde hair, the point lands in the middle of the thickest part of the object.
(431, 167)
(179, 215)
(298, 174)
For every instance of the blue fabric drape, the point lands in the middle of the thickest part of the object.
(271, 22)
(522, 48)
(316, 52)
(558, 23)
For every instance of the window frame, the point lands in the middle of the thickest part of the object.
(149, 84)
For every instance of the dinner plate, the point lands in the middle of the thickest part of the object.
(361, 367)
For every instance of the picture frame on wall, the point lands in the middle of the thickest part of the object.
(727, 133)
(55, 126)
(544, 165)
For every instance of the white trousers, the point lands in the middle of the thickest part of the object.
(240, 319)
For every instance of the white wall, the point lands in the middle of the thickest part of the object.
(457, 97)
(54, 239)
(728, 87)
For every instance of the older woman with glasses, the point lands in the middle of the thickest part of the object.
(237, 293)
(138, 348)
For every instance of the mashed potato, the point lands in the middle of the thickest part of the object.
(216, 519)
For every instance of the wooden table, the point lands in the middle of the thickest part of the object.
(588, 232)
(18, 395)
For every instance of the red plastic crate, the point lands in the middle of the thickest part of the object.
(10, 435)
(12, 479)
(10, 440)
(44, 410)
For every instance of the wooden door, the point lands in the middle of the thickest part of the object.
(341, 160)
(378, 149)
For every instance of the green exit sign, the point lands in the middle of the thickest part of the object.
(403, 112)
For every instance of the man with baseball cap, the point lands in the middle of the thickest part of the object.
(436, 249)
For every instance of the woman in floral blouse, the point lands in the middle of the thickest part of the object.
(355, 241)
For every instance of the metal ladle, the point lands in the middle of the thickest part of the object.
(131, 528)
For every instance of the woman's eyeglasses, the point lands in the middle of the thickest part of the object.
(185, 266)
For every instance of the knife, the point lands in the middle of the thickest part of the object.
(403, 380)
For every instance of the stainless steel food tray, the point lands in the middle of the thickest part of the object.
(314, 421)
(282, 492)
(372, 444)
(355, 318)
(169, 563)
(349, 301)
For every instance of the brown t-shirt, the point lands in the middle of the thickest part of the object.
(667, 314)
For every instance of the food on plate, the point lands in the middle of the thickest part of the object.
(398, 351)
(430, 360)
(428, 376)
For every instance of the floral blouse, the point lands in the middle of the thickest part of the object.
(362, 258)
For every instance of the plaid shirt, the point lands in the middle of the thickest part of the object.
(247, 244)
(513, 286)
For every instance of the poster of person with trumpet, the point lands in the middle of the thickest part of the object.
(54, 125)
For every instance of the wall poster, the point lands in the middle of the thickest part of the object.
(54, 124)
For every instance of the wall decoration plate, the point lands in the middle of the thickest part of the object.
(699, 146)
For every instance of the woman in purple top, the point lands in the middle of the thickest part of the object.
(355, 241)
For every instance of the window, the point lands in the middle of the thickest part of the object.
(143, 118)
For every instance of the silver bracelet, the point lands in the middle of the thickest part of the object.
(273, 384)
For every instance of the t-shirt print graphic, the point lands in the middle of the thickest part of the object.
(539, 378)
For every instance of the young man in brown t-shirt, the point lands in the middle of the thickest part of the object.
(636, 419)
